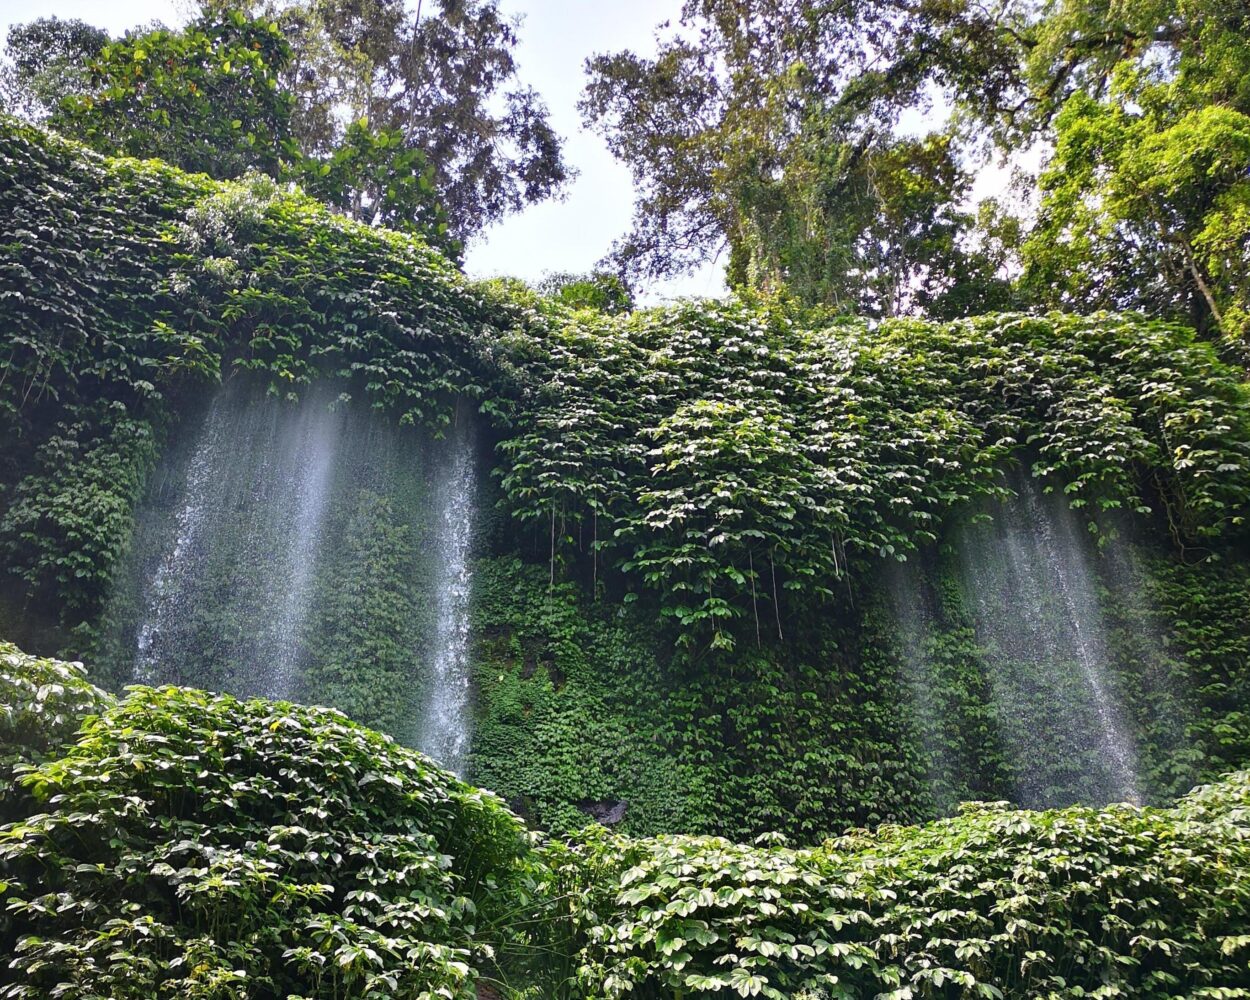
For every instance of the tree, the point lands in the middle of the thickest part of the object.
(599, 290)
(45, 61)
(883, 236)
(205, 99)
(376, 176)
(769, 127)
(415, 122)
(441, 83)
(1146, 200)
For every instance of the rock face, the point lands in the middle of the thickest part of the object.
(605, 811)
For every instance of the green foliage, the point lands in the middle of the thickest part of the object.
(294, 293)
(1147, 210)
(582, 704)
(1143, 202)
(884, 711)
(573, 709)
(43, 703)
(201, 846)
(159, 283)
(770, 130)
(874, 231)
(710, 491)
(46, 60)
(859, 440)
(197, 845)
(600, 290)
(205, 98)
(729, 460)
(919, 629)
(374, 176)
(1206, 609)
(366, 649)
(992, 903)
(89, 355)
(416, 113)
(87, 314)
(70, 520)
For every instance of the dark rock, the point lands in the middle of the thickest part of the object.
(605, 811)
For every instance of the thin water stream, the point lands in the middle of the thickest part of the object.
(1033, 589)
(445, 731)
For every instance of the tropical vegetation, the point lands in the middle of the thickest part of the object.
(773, 612)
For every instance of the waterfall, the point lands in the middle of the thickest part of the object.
(1033, 589)
(445, 731)
(912, 615)
(162, 601)
(302, 477)
(236, 575)
(308, 551)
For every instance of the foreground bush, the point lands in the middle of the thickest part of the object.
(199, 846)
(42, 705)
(1118, 902)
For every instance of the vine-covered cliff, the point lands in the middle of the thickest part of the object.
(735, 568)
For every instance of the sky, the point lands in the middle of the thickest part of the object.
(556, 37)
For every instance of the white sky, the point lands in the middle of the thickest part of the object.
(555, 39)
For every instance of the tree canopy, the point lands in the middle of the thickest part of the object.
(412, 120)
(1144, 203)
(785, 134)
(769, 129)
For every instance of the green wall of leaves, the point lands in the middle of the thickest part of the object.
(679, 598)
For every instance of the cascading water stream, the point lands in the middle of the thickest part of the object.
(161, 601)
(302, 488)
(445, 728)
(310, 552)
(244, 539)
(913, 619)
(1034, 595)
(1068, 566)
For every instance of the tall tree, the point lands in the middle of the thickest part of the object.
(440, 80)
(206, 98)
(414, 120)
(768, 127)
(1146, 199)
(46, 60)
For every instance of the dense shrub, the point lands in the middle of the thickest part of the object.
(130, 289)
(739, 465)
(1120, 902)
(689, 617)
(196, 845)
(42, 705)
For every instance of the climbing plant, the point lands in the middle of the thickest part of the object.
(722, 456)
(200, 845)
(42, 705)
(725, 455)
(691, 503)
